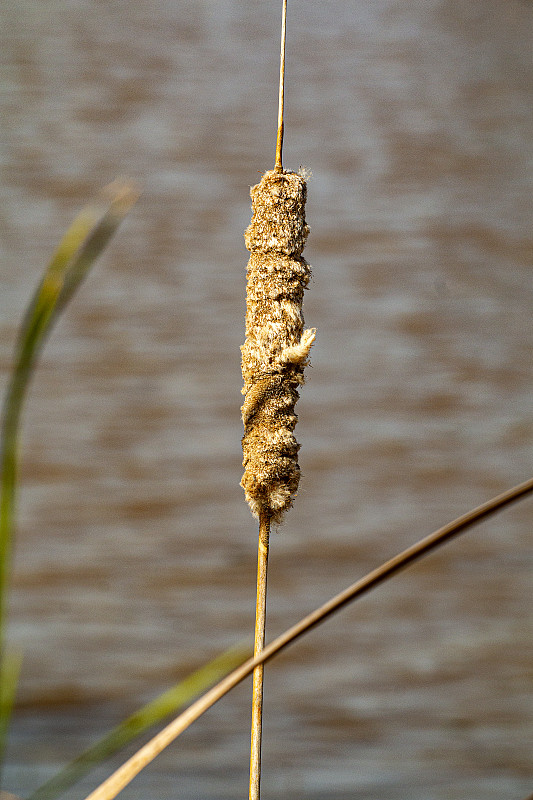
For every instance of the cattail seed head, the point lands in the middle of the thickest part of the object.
(276, 349)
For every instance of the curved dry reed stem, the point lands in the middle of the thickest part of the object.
(279, 141)
(259, 643)
(119, 779)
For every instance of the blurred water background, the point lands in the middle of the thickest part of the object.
(135, 555)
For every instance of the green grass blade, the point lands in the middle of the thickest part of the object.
(9, 674)
(80, 247)
(139, 722)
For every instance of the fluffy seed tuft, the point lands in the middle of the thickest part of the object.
(277, 348)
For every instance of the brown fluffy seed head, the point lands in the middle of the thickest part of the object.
(277, 347)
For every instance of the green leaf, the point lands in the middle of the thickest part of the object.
(139, 722)
(80, 247)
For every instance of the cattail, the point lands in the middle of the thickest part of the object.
(273, 359)
(277, 347)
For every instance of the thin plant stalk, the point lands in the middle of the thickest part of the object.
(279, 141)
(259, 643)
(80, 247)
(111, 787)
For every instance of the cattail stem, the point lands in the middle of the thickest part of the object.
(279, 141)
(259, 643)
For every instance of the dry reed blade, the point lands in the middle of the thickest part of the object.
(125, 774)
